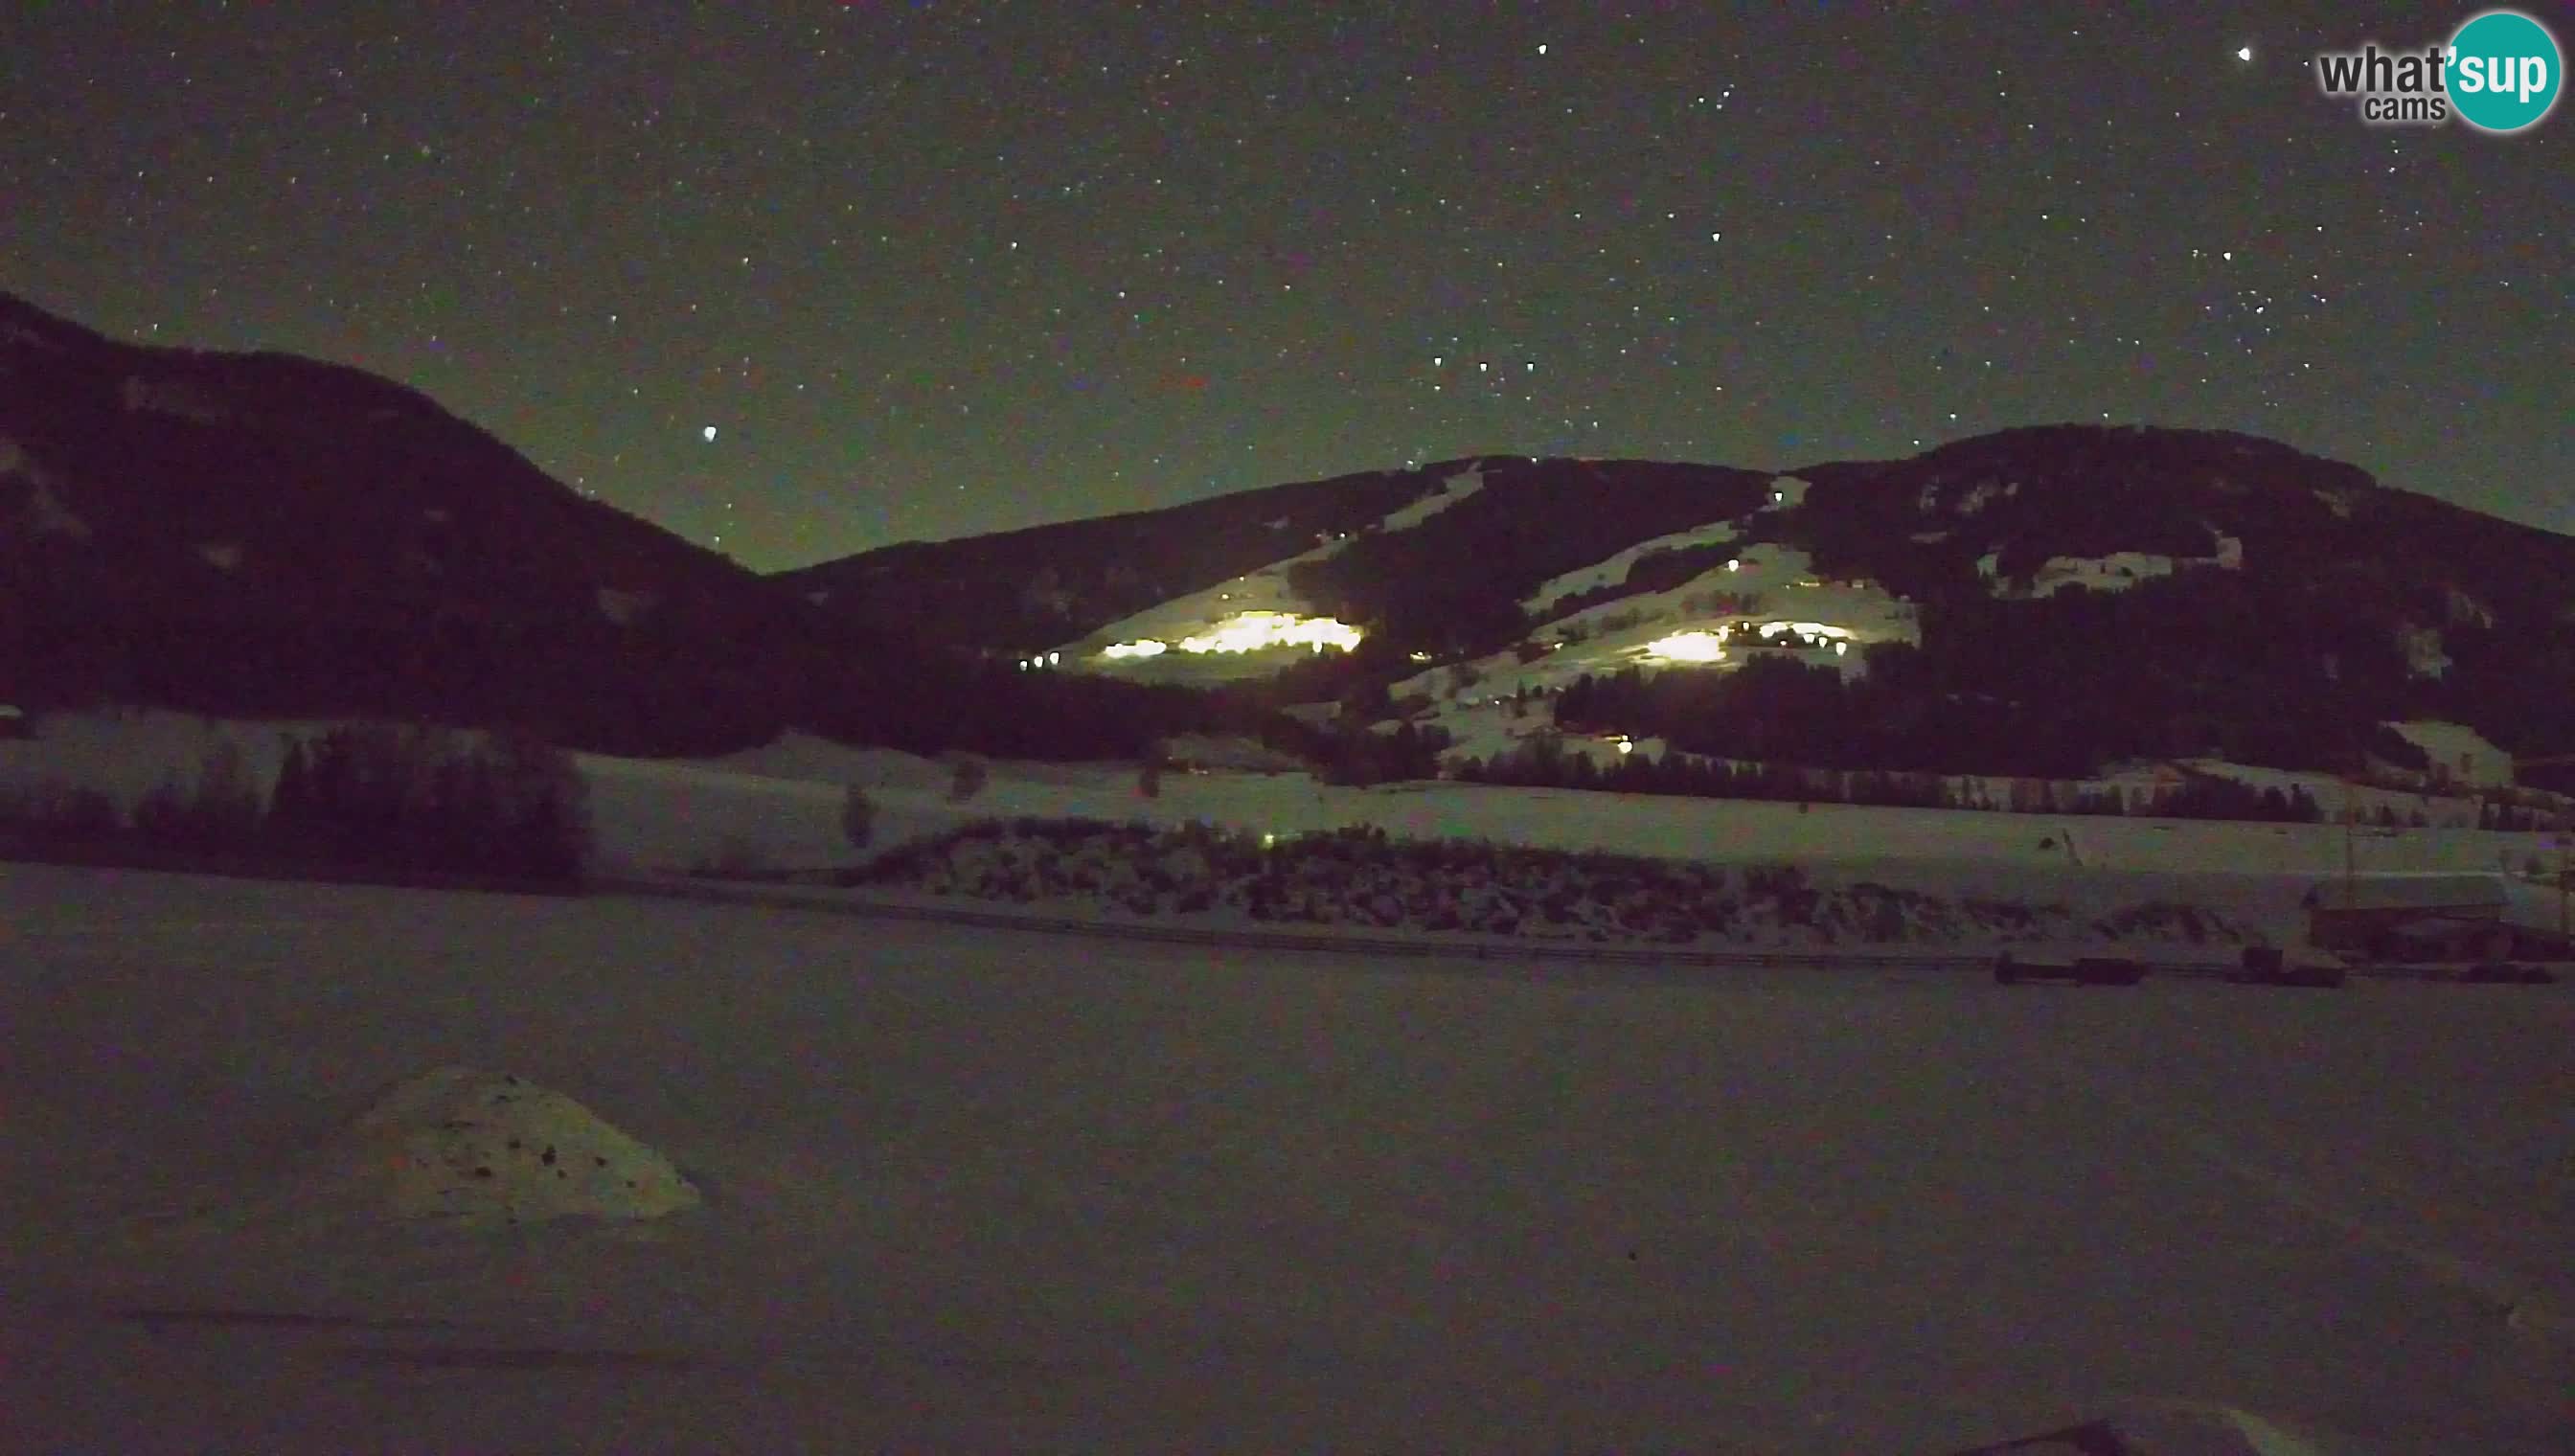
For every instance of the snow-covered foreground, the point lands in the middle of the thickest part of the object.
(990, 1191)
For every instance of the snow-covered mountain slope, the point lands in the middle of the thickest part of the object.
(2116, 572)
(1195, 626)
(1765, 601)
(2085, 590)
(1247, 626)
(1452, 490)
(1613, 571)
(1023, 592)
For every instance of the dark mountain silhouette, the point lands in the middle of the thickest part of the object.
(1025, 590)
(256, 534)
(2084, 594)
(262, 532)
(263, 535)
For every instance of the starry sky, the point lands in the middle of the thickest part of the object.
(799, 280)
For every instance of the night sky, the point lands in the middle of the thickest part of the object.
(929, 272)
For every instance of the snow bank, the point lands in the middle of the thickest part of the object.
(478, 1148)
(805, 756)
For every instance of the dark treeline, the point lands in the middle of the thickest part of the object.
(654, 689)
(1546, 763)
(1906, 714)
(507, 808)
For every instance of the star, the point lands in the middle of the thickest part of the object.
(1599, 203)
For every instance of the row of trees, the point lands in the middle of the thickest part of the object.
(412, 800)
(1909, 710)
(415, 798)
(1546, 763)
(661, 685)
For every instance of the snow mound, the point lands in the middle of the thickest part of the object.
(2169, 1428)
(480, 1148)
(814, 759)
(2179, 1428)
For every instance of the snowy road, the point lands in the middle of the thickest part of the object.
(983, 1189)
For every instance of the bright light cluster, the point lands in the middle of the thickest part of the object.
(1709, 646)
(1249, 632)
(1688, 646)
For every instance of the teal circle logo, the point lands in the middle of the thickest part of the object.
(2504, 71)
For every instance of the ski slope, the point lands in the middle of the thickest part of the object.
(1248, 626)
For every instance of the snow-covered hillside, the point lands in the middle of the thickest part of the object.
(2458, 753)
(1765, 600)
(1248, 626)
(1540, 604)
(2116, 572)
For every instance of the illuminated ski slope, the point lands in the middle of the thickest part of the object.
(1246, 628)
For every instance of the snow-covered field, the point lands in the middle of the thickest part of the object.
(988, 1190)
(783, 802)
